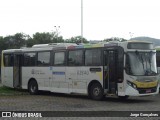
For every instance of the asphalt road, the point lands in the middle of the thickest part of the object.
(63, 102)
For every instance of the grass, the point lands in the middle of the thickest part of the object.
(12, 91)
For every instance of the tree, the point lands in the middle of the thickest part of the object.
(30, 42)
(2, 45)
(14, 41)
(56, 38)
(42, 38)
(8, 42)
(114, 39)
(19, 40)
(77, 39)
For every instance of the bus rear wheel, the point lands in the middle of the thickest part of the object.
(33, 87)
(96, 91)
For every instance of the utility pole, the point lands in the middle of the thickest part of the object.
(131, 35)
(57, 31)
(81, 21)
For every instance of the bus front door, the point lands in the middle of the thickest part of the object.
(17, 71)
(110, 71)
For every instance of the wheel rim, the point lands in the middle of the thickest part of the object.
(33, 88)
(96, 91)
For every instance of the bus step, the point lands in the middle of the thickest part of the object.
(110, 94)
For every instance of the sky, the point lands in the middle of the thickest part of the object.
(101, 18)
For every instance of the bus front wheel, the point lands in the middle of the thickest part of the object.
(33, 87)
(96, 91)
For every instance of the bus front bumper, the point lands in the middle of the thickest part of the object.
(130, 91)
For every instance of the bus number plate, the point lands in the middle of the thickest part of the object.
(148, 91)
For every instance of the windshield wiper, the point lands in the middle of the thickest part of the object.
(149, 57)
(140, 58)
(150, 72)
(148, 60)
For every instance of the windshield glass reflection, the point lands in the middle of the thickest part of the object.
(141, 63)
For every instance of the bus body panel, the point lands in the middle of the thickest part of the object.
(159, 77)
(87, 74)
(58, 81)
(42, 75)
(79, 78)
(71, 76)
(26, 76)
(7, 76)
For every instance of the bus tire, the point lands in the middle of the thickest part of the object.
(96, 91)
(33, 87)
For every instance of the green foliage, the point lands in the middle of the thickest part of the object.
(42, 38)
(21, 40)
(11, 91)
(2, 45)
(114, 39)
(30, 42)
(77, 39)
(18, 40)
(13, 41)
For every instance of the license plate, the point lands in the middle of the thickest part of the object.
(148, 91)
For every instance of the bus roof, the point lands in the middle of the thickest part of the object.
(139, 41)
(53, 45)
(57, 46)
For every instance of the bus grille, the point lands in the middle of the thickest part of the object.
(147, 90)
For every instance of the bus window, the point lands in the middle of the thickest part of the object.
(93, 57)
(75, 58)
(29, 59)
(158, 59)
(59, 58)
(8, 60)
(43, 58)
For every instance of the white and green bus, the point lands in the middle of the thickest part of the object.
(119, 68)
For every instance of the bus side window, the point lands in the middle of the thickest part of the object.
(8, 60)
(43, 59)
(59, 58)
(29, 59)
(93, 57)
(75, 58)
(158, 59)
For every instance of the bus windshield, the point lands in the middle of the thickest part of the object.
(141, 63)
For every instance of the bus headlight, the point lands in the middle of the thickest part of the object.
(132, 84)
